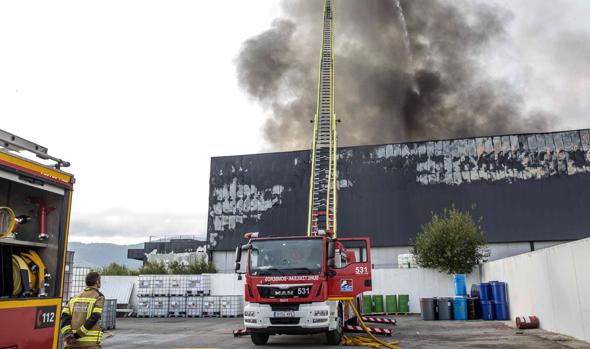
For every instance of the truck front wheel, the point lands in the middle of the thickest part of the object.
(259, 338)
(335, 336)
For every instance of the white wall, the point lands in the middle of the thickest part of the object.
(226, 285)
(418, 283)
(552, 283)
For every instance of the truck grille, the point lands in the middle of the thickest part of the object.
(284, 307)
(284, 321)
(291, 292)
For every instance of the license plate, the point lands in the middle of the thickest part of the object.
(283, 314)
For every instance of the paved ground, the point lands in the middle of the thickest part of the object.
(411, 332)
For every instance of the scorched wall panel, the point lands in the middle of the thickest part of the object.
(532, 187)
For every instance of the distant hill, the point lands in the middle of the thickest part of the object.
(100, 255)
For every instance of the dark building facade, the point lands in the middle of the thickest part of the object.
(527, 188)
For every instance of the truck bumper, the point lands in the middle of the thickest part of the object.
(308, 318)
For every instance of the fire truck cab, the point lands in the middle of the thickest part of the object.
(298, 285)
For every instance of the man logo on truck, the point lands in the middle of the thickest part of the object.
(346, 285)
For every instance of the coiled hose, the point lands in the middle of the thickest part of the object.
(365, 341)
(7, 221)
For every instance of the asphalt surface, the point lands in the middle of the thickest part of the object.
(411, 332)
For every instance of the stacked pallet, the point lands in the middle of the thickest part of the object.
(183, 296)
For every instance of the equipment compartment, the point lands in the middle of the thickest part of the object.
(42, 210)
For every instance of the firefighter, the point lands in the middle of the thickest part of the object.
(80, 324)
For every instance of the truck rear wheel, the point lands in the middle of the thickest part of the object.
(259, 338)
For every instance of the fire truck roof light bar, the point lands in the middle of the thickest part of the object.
(251, 235)
(13, 142)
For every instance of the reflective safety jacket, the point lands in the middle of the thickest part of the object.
(81, 318)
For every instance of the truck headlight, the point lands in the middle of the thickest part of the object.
(249, 313)
(320, 313)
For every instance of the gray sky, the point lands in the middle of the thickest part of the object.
(138, 95)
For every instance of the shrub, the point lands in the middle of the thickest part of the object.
(451, 243)
(156, 268)
(117, 269)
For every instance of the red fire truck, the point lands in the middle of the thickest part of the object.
(35, 201)
(299, 285)
(304, 284)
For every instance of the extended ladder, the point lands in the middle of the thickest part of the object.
(323, 188)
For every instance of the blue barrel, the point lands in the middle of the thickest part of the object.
(501, 310)
(485, 291)
(487, 309)
(499, 292)
(460, 308)
(460, 284)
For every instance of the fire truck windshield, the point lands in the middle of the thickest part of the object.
(286, 257)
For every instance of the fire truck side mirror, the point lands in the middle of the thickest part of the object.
(237, 266)
(238, 254)
(331, 249)
(331, 258)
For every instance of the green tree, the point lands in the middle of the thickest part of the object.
(156, 268)
(451, 243)
(200, 265)
(178, 268)
(117, 269)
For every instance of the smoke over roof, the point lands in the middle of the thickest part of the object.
(383, 93)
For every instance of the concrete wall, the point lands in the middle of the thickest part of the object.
(552, 283)
(418, 283)
(227, 285)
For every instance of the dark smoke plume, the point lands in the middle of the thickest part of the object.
(376, 83)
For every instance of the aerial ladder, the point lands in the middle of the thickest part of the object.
(323, 179)
(312, 283)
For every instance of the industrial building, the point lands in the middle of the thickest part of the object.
(167, 249)
(531, 191)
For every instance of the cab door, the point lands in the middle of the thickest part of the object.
(350, 273)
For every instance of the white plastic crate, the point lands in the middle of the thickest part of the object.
(177, 285)
(211, 306)
(160, 285)
(177, 306)
(144, 307)
(144, 285)
(109, 314)
(231, 306)
(159, 306)
(194, 306)
(198, 285)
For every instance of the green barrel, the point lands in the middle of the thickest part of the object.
(391, 304)
(404, 303)
(367, 304)
(378, 304)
